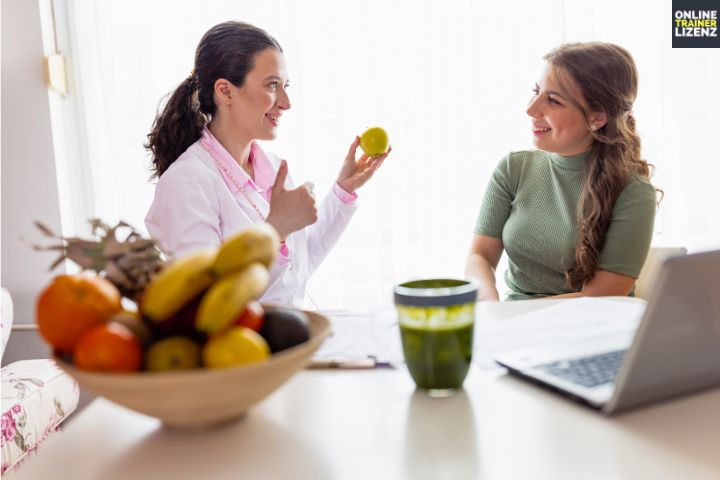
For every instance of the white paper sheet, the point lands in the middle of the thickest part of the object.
(570, 320)
(359, 336)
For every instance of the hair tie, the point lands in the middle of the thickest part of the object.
(192, 79)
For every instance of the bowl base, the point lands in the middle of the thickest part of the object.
(202, 424)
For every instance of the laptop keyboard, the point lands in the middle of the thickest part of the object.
(587, 371)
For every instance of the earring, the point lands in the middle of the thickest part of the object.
(593, 127)
(227, 103)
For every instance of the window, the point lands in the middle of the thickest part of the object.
(449, 81)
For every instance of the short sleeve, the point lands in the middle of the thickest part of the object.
(184, 216)
(629, 235)
(497, 202)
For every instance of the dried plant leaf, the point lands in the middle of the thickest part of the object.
(97, 224)
(38, 248)
(57, 262)
(117, 276)
(113, 248)
(44, 229)
(122, 254)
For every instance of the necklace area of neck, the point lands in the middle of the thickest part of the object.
(241, 188)
(241, 153)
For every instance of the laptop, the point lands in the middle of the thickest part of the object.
(675, 349)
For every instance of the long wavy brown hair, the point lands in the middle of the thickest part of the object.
(606, 76)
(226, 51)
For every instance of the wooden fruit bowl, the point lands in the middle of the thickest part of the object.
(202, 397)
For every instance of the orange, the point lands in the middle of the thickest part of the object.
(73, 304)
(110, 347)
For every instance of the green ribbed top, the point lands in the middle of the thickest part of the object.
(530, 204)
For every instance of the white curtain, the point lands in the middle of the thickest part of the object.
(449, 81)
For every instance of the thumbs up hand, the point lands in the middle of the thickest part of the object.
(291, 210)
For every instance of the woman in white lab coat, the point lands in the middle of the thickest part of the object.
(214, 180)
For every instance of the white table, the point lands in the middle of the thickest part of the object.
(371, 424)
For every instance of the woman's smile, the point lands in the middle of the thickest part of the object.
(274, 118)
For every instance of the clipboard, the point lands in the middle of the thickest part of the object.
(360, 340)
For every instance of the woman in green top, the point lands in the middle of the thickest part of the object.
(575, 216)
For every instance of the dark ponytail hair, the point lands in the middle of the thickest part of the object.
(226, 51)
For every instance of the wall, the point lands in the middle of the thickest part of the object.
(29, 185)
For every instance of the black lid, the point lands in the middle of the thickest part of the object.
(436, 292)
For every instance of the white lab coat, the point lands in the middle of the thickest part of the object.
(195, 208)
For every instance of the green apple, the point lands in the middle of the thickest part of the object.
(173, 353)
(374, 141)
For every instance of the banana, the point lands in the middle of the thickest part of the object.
(177, 284)
(227, 298)
(259, 243)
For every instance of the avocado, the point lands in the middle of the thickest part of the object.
(284, 328)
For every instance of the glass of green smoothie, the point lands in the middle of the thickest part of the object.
(437, 318)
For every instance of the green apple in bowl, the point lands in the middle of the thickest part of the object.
(374, 141)
(173, 353)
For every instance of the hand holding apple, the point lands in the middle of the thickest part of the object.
(356, 172)
(374, 141)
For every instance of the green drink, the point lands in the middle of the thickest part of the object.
(436, 320)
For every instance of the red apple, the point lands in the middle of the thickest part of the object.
(252, 317)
